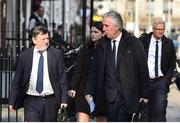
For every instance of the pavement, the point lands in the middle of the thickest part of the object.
(173, 108)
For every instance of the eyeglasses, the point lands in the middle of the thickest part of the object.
(158, 29)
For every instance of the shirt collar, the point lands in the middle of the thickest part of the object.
(154, 40)
(37, 50)
(118, 38)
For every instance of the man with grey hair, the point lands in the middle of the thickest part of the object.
(119, 69)
(161, 59)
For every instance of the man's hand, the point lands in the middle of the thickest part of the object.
(72, 93)
(143, 99)
(63, 105)
(11, 108)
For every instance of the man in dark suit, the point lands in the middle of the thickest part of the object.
(40, 80)
(120, 70)
(161, 59)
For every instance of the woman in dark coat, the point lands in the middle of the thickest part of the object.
(81, 73)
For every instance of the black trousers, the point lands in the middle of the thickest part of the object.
(40, 109)
(117, 110)
(158, 100)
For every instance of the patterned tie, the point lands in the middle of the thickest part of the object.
(114, 52)
(156, 60)
(39, 84)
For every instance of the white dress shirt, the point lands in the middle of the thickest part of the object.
(151, 57)
(47, 88)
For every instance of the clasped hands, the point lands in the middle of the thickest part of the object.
(72, 93)
(143, 99)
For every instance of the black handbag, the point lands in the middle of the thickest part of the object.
(177, 74)
(177, 79)
(62, 115)
(142, 114)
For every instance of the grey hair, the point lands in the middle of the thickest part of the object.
(158, 21)
(116, 17)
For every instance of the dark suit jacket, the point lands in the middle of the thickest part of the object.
(132, 71)
(57, 76)
(168, 56)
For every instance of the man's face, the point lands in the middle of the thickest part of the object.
(158, 31)
(41, 41)
(110, 29)
(41, 12)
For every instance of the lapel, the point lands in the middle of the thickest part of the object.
(163, 50)
(103, 47)
(109, 52)
(49, 60)
(124, 42)
(103, 42)
(102, 50)
(147, 43)
(29, 61)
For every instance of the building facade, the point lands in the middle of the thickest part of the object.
(148, 10)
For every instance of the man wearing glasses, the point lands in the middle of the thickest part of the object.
(161, 59)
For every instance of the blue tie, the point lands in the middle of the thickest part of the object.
(39, 84)
(156, 60)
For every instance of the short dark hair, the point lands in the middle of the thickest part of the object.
(36, 7)
(39, 30)
(98, 25)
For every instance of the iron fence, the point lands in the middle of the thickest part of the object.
(7, 74)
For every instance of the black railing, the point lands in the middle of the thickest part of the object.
(7, 75)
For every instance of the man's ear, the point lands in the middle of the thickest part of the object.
(33, 39)
(117, 27)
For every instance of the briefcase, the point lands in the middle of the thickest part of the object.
(177, 75)
(142, 114)
(177, 79)
(62, 115)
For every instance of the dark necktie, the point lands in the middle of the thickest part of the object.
(39, 84)
(156, 60)
(114, 52)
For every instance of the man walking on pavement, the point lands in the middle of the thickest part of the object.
(161, 59)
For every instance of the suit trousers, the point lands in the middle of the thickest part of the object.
(158, 100)
(117, 110)
(40, 110)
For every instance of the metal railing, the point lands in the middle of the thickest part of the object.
(7, 75)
